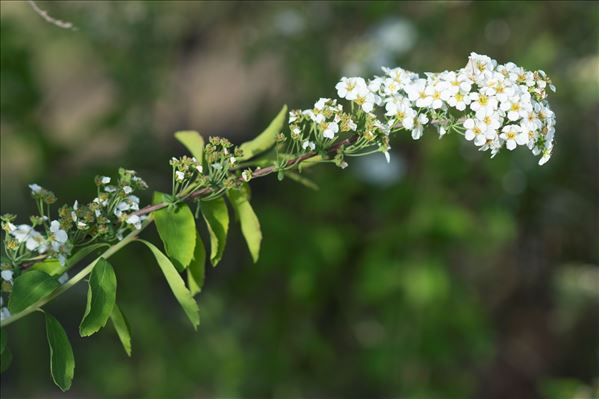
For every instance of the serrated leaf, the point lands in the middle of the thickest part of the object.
(250, 225)
(216, 215)
(266, 139)
(5, 360)
(62, 361)
(122, 328)
(177, 229)
(176, 284)
(193, 141)
(101, 296)
(30, 287)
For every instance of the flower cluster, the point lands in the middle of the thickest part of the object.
(494, 106)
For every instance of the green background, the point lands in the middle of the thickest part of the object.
(441, 275)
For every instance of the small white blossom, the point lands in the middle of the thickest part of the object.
(7, 275)
(308, 145)
(58, 237)
(513, 136)
(35, 188)
(105, 180)
(135, 221)
(179, 176)
(330, 130)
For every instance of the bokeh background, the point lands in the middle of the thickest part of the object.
(442, 275)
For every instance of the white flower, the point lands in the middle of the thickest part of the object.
(217, 166)
(199, 168)
(475, 130)
(135, 221)
(365, 99)
(459, 101)
(6, 275)
(179, 176)
(110, 189)
(417, 93)
(434, 92)
(515, 108)
(308, 145)
(330, 130)
(36, 242)
(35, 188)
(349, 88)
(546, 155)
(105, 180)
(246, 175)
(483, 103)
(58, 237)
(232, 160)
(4, 313)
(419, 123)
(22, 233)
(319, 105)
(513, 136)
(127, 190)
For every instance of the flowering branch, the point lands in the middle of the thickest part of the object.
(494, 106)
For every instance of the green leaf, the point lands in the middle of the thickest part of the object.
(3, 340)
(30, 287)
(193, 141)
(62, 361)
(177, 285)
(266, 139)
(196, 270)
(53, 266)
(250, 226)
(101, 296)
(216, 215)
(122, 328)
(5, 360)
(177, 229)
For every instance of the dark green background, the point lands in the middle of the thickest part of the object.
(443, 275)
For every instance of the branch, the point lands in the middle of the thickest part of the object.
(203, 192)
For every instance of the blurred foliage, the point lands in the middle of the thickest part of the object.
(442, 275)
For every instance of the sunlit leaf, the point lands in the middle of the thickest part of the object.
(197, 268)
(176, 284)
(101, 296)
(266, 139)
(177, 229)
(28, 288)
(122, 328)
(62, 361)
(193, 141)
(216, 215)
(250, 226)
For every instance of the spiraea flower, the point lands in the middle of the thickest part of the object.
(492, 105)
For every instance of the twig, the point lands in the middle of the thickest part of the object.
(257, 173)
(44, 14)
